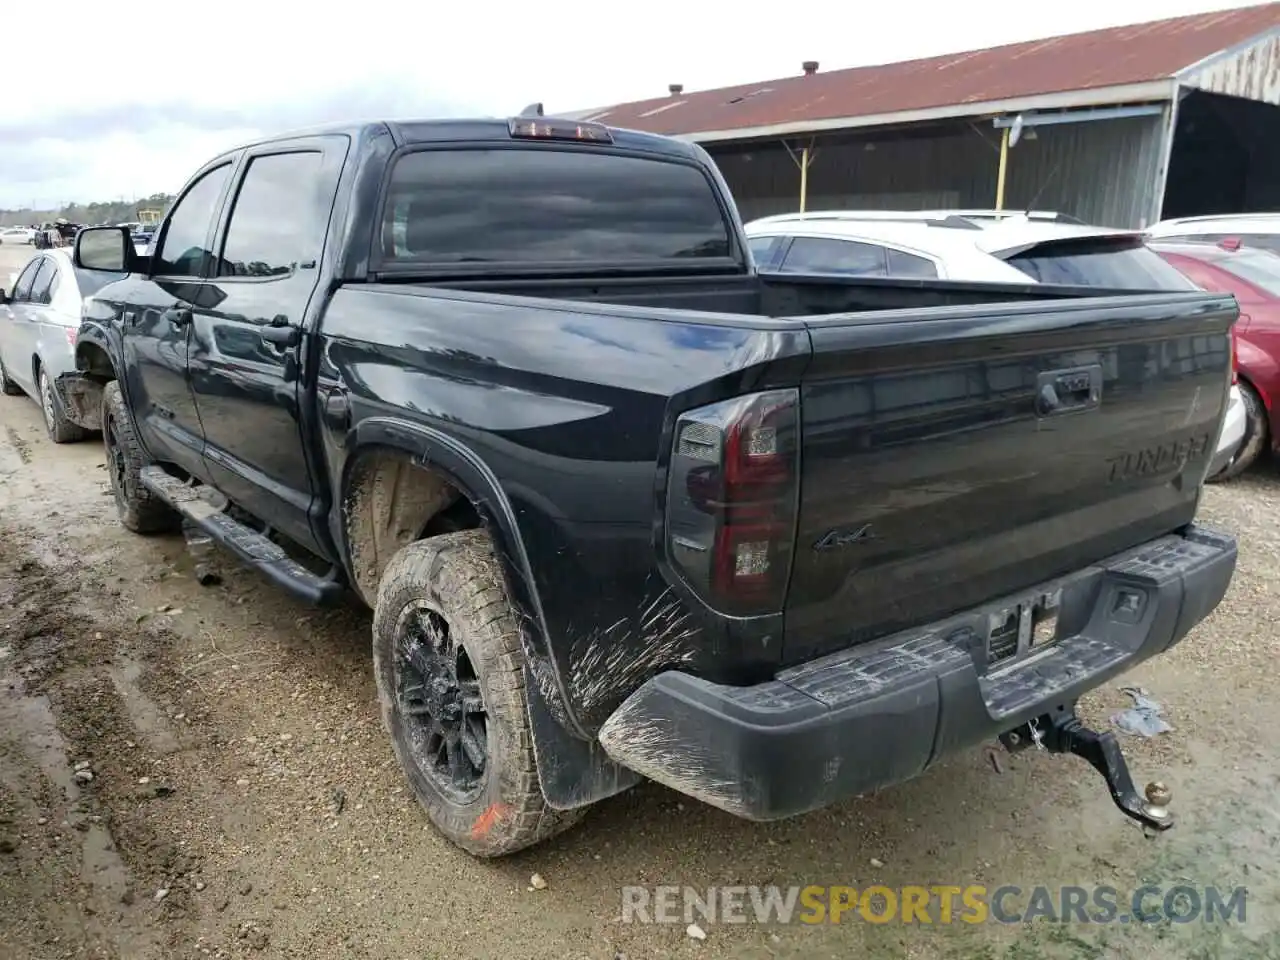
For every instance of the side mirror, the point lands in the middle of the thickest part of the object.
(4, 297)
(104, 248)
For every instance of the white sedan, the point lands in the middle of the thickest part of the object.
(39, 319)
(18, 235)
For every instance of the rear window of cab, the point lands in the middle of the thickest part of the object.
(549, 206)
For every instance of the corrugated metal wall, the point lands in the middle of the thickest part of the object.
(1103, 171)
(1251, 71)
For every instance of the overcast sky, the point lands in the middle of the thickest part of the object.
(126, 99)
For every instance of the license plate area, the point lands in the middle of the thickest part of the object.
(1023, 628)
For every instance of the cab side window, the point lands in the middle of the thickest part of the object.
(184, 252)
(275, 223)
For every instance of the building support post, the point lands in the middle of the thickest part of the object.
(805, 158)
(804, 177)
(1004, 168)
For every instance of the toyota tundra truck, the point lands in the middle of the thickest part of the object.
(626, 507)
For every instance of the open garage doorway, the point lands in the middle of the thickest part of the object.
(1225, 157)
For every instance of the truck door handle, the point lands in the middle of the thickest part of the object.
(178, 316)
(1068, 391)
(281, 332)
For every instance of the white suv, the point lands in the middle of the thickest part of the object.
(976, 246)
(1251, 229)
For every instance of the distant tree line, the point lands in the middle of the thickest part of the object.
(113, 211)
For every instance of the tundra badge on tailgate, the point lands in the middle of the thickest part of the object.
(1166, 458)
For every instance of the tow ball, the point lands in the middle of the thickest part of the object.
(1063, 732)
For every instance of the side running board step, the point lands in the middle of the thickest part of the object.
(246, 543)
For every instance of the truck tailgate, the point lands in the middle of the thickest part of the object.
(957, 458)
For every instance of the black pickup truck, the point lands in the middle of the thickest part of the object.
(625, 507)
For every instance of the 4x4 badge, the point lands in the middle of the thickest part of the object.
(835, 539)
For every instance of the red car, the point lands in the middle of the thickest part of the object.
(1253, 276)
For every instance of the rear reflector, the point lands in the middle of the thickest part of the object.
(731, 501)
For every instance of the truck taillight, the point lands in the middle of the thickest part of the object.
(731, 500)
(1235, 359)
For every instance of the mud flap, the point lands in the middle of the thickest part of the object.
(573, 772)
(81, 399)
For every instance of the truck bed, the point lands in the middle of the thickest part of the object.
(918, 423)
(778, 295)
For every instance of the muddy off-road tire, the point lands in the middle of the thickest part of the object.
(7, 386)
(449, 668)
(56, 424)
(139, 510)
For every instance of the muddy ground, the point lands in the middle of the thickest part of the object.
(245, 803)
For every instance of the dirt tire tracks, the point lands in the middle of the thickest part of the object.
(57, 652)
(93, 842)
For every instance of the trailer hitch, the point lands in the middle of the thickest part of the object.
(1063, 732)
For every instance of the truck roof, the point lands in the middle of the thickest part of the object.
(471, 130)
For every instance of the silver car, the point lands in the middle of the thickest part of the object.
(39, 317)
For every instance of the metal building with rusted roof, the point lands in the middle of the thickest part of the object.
(1120, 127)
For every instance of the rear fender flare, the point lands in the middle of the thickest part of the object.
(93, 334)
(573, 769)
(437, 451)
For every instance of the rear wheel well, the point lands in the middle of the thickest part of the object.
(93, 360)
(391, 501)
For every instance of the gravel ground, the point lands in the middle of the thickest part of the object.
(237, 796)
